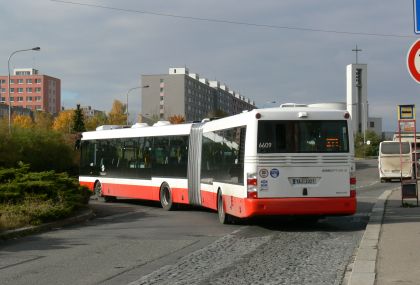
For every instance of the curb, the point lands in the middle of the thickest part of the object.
(364, 266)
(83, 216)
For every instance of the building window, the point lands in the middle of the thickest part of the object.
(20, 90)
(29, 89)
(37, 80)
(12, 81)
(3, 99)
(12, 90)
(161, 80)
(28, 81)
(37, 98)
(3, 81)
(20, 81)
(12, 99)
(371, 124)
(38, 89)
(29, 98)
(38, 107)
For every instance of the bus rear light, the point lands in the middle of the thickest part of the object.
(352, 193)
(352, 183)
(252, 189)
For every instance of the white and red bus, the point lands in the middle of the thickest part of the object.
(274, 161)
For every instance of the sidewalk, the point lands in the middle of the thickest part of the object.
(398, 259)
(388, 250)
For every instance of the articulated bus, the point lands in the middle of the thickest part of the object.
(274, 161)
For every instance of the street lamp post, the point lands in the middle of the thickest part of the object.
(129, 90)
(8, 78)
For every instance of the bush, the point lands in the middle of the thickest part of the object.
(30, 198)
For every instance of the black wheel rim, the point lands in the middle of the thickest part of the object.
(220, 207)
(166, 196)
(98, 190)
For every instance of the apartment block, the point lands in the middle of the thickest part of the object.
(32, 90)
(187, 94)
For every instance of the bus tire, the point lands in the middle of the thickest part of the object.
(165, 195)
(99, 195)
(97, 192)
(223, 217)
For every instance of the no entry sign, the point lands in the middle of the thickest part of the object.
(413, 61)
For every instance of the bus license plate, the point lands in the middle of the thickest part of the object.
(304, 180)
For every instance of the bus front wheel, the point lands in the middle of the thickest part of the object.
(166, 197)
(99, 195)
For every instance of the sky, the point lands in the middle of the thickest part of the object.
(99, 54)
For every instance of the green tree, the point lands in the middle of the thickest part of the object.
(362, 149)
(41, 149)
(117, 116)
(78, 120)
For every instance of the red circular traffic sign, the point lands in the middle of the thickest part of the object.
(413, 61)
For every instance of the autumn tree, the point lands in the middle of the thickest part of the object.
(117, 116)
(78, 120)
(64, 121)
(22, 121)
(43, 120)
(93, 122)
(176, 119)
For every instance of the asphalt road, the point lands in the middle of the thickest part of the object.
(139, 243)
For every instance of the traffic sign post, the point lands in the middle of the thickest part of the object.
(413, 61)
(407, 128)
(416, 10)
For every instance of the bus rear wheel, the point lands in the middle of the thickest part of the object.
(166, 197)
(223, 217)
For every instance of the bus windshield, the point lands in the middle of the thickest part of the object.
(394, 148)
(318, 136)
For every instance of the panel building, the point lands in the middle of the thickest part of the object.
(32, 90)
(189, 95)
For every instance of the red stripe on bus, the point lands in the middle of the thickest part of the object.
(209, 199)
(179, 195)
(89, 185)
(299, 206)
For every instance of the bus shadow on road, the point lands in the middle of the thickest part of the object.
(310, 223)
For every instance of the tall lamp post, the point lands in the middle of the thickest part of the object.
(8, 78)
(129, 90)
